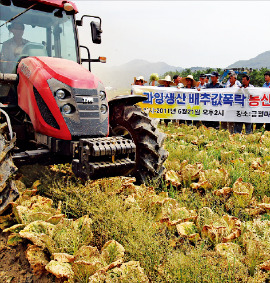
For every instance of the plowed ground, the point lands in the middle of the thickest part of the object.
(14, 267)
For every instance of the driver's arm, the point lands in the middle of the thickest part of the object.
(6, 60)
(3, 58)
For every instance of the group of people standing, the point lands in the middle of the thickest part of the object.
(203, 83)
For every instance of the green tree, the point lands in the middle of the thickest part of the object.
(257, 76)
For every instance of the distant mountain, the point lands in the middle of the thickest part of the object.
(260, 61)
(122, 76)
(194, 69)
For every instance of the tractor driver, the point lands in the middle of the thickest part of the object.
(12, 48)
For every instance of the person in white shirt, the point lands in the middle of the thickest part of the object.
(236, 83)
(177, 81)
(232, 83)
(238, 126)
(202, 82)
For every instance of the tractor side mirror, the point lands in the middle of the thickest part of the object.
(96, 32)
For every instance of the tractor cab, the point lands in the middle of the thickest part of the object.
(33, 29)
(42, 30)
(45, 28)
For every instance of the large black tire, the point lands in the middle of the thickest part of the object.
(8, 190)
(131, 122)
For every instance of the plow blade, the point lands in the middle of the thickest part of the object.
(104, 157)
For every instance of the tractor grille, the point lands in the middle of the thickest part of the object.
(87, 102)
(45, 111)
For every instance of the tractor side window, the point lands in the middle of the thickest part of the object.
(64, 41)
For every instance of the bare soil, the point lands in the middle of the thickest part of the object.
(14, 267)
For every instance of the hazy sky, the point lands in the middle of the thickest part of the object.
(180, 33)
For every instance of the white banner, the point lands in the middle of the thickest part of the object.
(220, 104)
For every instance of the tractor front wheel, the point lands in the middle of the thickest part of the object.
(132, 123)
(8, 190)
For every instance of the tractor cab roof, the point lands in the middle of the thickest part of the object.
(56, 3)
(14, 8)
(50, 4)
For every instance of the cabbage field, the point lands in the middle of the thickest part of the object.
(206, 220)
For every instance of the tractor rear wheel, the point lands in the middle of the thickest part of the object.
(8, 190)
(131, 122)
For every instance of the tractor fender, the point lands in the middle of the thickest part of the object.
(127, 100)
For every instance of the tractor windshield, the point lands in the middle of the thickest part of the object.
(40, 31)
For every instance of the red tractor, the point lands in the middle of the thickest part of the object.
(57, 109)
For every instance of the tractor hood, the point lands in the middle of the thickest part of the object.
(39, 80)
(68, 72)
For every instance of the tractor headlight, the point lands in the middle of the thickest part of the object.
(102, 95)
(67, 109)
(60, 94)
(103, 108)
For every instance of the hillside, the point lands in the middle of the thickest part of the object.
(122, 76)
(260, 61)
